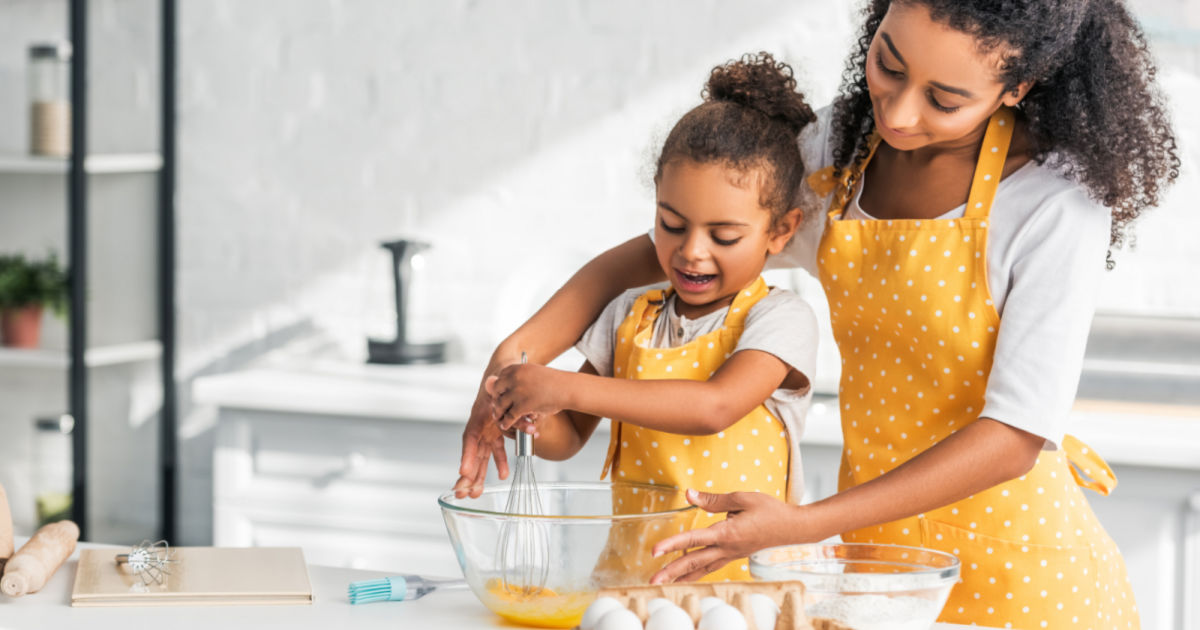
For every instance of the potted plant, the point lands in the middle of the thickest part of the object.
(27, 287)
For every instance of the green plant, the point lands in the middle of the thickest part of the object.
(31, 282)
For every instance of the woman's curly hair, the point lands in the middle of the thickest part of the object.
(1094, 110)
(749, 120)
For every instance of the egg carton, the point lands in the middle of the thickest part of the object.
(788, 595)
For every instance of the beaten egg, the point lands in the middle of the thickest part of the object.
(543, 609)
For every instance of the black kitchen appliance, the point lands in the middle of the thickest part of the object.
(400, 350)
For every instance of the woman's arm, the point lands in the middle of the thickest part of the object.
(978, 456)
(677, 406)
(557, 325)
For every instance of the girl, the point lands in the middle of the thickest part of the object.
(983, 156)
(708, 380)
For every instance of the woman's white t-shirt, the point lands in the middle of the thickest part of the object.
(1046, 255)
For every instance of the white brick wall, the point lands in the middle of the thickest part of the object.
(514, 135)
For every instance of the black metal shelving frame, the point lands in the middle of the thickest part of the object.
(77, 235)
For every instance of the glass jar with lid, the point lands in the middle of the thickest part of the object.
(53, 467)
(50, 99)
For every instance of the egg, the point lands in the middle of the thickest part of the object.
(669, 617)
(709, 603)
(764, 610)
(723, 617)
(656, 603)
(620, 619)
(596, 610)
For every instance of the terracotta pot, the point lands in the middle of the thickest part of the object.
(21, 327)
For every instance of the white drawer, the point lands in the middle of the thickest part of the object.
(299, 463)
(351, 543)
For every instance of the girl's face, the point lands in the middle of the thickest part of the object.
(930, 84)
(712, 235)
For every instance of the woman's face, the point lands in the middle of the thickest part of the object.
(930, 84)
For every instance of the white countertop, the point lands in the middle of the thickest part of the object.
(50, 609)
(1133, 433)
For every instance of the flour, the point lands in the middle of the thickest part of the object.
(877, 612)
(877, 582)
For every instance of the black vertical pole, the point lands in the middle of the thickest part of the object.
(77, 243)
(168, 445)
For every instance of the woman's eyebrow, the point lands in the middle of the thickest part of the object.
(665, 206)
(953, 90)
(941, 86)
(887, 39)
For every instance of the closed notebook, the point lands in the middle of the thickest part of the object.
(199, 576)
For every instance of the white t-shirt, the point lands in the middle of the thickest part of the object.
(1046, 254)
(781, 323)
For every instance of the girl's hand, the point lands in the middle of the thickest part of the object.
(482, 438)
(755, 521)
(525, 423)
(523, 393)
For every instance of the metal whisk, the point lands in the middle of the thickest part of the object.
(523, 552)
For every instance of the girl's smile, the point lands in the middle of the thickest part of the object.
(694, 282)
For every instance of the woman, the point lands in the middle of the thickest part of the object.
(980, 159)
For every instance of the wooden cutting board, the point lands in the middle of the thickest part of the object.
(199, 576)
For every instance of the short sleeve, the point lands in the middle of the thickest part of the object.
(598, 343)
(784, 325)
(1057, 264)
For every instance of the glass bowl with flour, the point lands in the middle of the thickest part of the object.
(864, 586)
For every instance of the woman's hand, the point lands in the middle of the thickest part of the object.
(524, 393)
(755, 521)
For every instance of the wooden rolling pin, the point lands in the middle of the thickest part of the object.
(6, 529)
(28, 570)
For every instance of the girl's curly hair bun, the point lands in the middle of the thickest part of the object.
(749, 120)
(763, 84)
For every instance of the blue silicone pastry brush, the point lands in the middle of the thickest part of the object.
(399, 588)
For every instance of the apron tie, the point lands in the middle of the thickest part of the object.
(1089, 469)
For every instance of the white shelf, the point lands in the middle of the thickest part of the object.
(95, 357)
(93, 164)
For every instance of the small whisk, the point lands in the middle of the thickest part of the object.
(524, 549)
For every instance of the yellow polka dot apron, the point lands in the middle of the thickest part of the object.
(916, 329)
(750, 455)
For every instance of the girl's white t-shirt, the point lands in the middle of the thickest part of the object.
(1046, 252)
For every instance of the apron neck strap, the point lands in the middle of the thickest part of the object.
(990, 167)
(850, 178)
(735, 317)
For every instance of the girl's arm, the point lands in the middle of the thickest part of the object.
(553, 329)
(560, 436)
(676, 406)
(974, 458)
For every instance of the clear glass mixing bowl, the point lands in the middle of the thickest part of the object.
(864, 586)
(597, 534)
